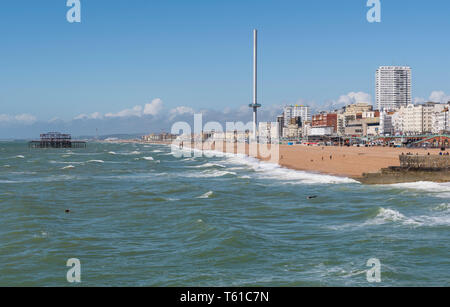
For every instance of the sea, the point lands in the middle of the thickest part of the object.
(135, 215)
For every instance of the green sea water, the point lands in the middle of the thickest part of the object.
(142, 217)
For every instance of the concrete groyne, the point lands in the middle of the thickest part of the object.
(424, 162)
(412, 169)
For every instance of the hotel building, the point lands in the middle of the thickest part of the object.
(393, 87)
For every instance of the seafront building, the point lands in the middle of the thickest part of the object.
(300, 111)
(393, 87)
(386, 125)
(161, 137)
(441, 121)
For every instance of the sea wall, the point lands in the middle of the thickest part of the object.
(412, 169)
(425, 162)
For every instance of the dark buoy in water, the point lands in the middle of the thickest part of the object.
(312, 197)
(67, 211)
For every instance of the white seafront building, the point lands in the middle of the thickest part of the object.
(393, 87)
(293, 111)
(441, 121)
(420, 119)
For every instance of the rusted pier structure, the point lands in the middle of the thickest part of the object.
(56, 140)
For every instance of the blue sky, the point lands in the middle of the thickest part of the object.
(198, 55)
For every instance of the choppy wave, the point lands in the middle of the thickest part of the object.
(208, 165)
(207, 195)
(390, 215)
(425, 186)
(68, 167)
(95, 161)
(209, 174)
(66, 162)
(276, 172)
(395, 217)
(441, 190)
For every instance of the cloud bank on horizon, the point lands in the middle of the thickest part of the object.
(155, 117)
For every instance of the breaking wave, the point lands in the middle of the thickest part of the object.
(68, 167)
(276, 172)
(391, 216)
(441, 190)
(207, 195)
(210, 174)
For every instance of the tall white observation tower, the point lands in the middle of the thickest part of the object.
(255, 104)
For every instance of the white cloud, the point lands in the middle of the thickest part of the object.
(342, 101)
(181, 110)
(136, 111)
(95, 115)
(26, 119)
(154, 107)
(439, 96)
(352, 98)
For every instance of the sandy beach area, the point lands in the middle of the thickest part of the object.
(344, 161)
(350, 162)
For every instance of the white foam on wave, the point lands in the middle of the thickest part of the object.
(19, 157)
(442, 207)
(8, 181)
(148, 158)
(208, 165)
(210, 174)
(68, 162)
(276, 172)
(68, 167)
(389, 216)
(441, 190)
(393, 216)
(206, 195)
(133, 153)
(156, 151)
(95, 161)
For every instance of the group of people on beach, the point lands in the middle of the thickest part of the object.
(441, 154)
